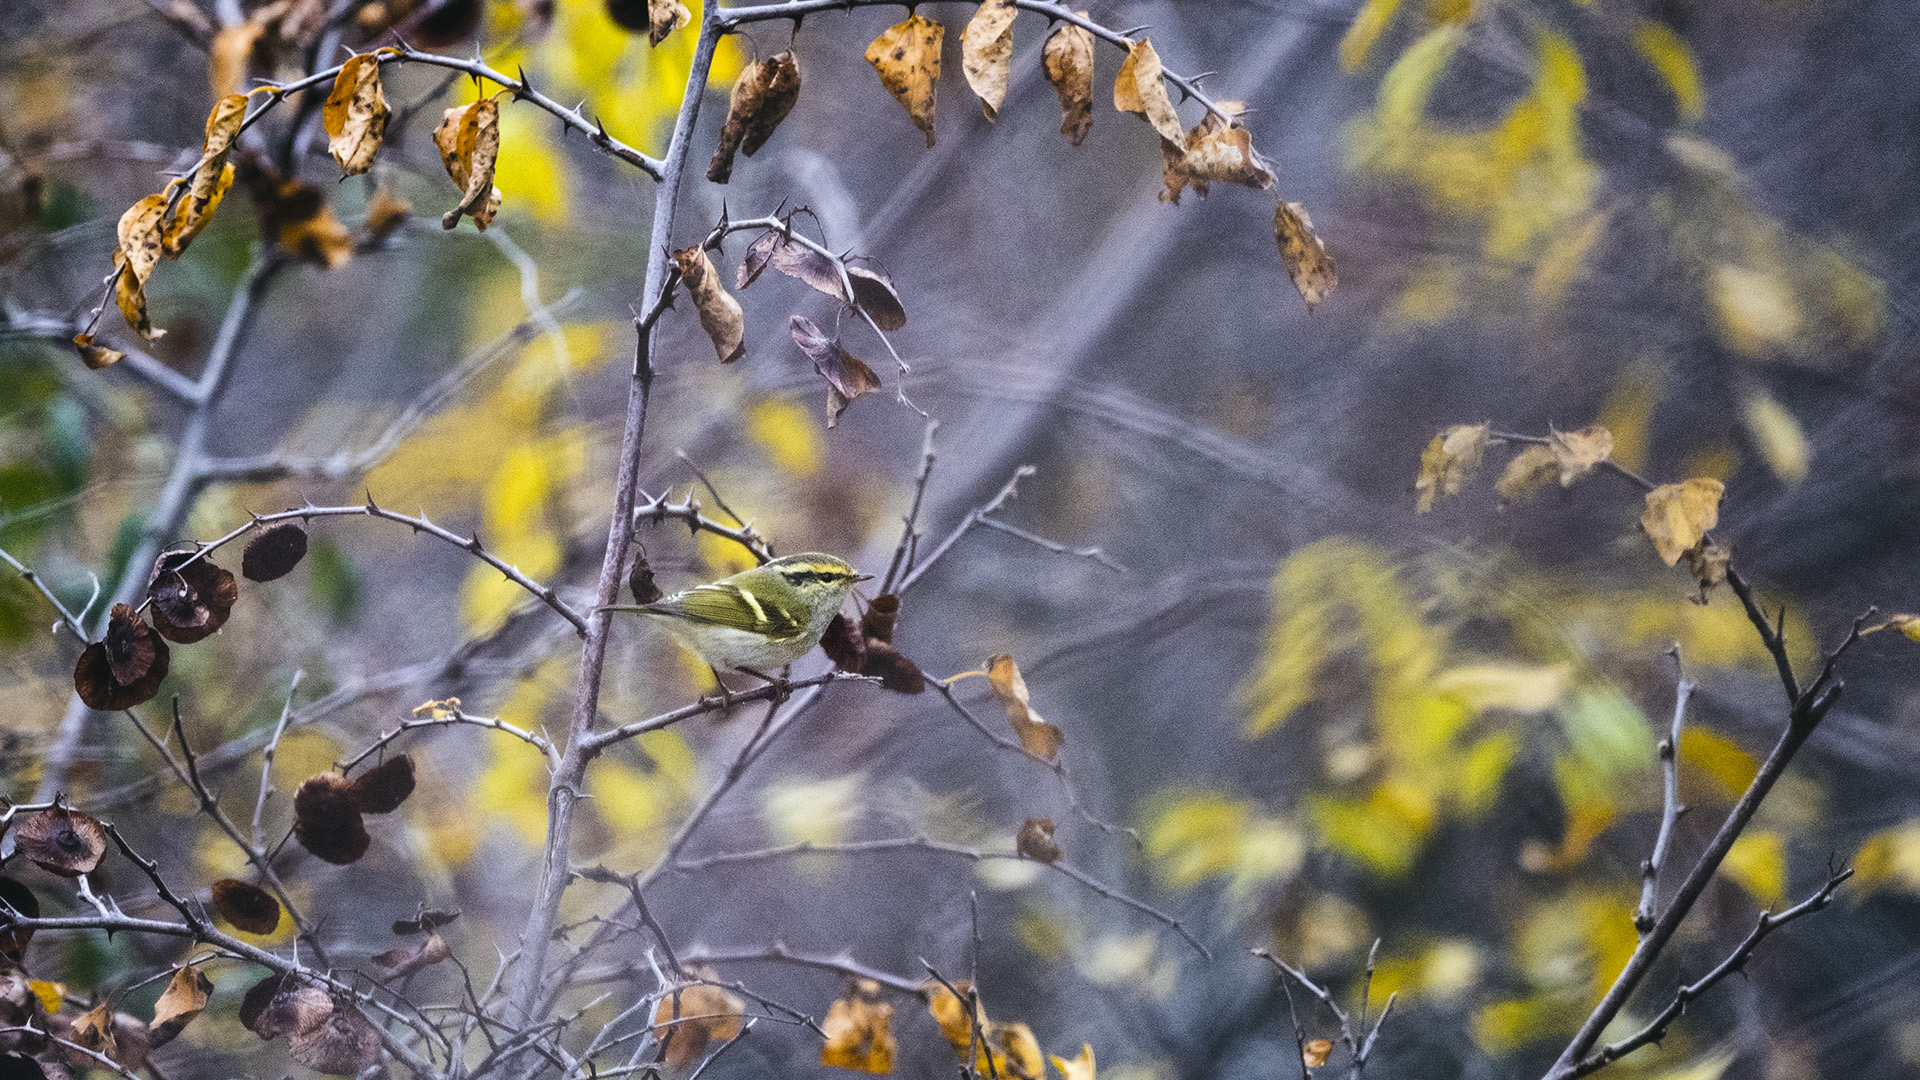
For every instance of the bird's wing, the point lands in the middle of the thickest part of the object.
(725, 604)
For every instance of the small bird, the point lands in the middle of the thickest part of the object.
(758, 620)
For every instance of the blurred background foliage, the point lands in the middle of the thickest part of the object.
(1330, 722)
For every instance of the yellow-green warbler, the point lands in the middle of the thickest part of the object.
(758, 620)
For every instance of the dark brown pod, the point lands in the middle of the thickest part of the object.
(246, 907)
(326, 819)
(894, 670)
(845, 645)
(630, 15)
(1035, 840)
(429, 919)
(190, 601)
(882, 613)
(132, 646)
(284, 1005)
(19, 900)
(93, 677)
(344, 1043)
(640, 581)
(64, 841)
(274, 552)
(381, 790)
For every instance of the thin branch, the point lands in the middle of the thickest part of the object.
(67, 618)
(1054, 546)
(909, 525)
(440, 718)
(1006, 493)
(631, 882)
(1670, 808)
(266, 762)
(779, 953)
(599, 741)
(687, 511)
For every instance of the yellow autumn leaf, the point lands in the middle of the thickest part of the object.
(355, 114)
(1315, 1052)
(695, 1019)
(1533, 468)
(1449, 461)
(1521, 688)
(859, 1032)
(1679, 515)
(1304, 253)
(1217, 150)
(1141, 89)
(787, 434)
(95, 356)
(664, 17)
(1890, 857)
(1783, 446)
(1368, 24)
(986, 53)
(212, 176)
(907, 57)
(1010, 689)
(1758, 861)
(141, 244)
(1669, 56)
(1192, 836)
(469, 142)
(1578, 453)
(1078, 1068)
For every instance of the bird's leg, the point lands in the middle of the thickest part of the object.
(782, 690)
(726, 695)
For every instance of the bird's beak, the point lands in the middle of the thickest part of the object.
(862, 577)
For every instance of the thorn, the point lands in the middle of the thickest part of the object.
(1135, 30)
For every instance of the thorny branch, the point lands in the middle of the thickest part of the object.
(1357, 1038)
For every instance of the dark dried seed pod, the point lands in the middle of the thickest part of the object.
(877, 623)
(344, 1043)
(93, 676)
(895, 671)
(19, 900)
(845, 645)
(1035, 840)
(381, 790)
(64, 841)
(640, 581)
(190, 600)
(131, 645)
(326, 819)
(284, 1005)
(246, 907)
(274, 552)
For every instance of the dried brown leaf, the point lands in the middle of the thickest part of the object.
(142, 242)
(1449, 461)
(1010, 688)
(469, 142)
(875, 295)
(96, 356)
(907, 56)
(664, 17)
(878, 621)
(212, 176)
(859, 1031)
(696, 1017)
(296, 214)
(185, 998)
(1578, 453)
(246, 907)
(1217, 151)
(1678, 515)
(273, 552)
(1530, 470)
(382, 789)
(762, 97)
(1068, 60)
(344, 1043)
(986, 53)
(1305, 254)
(894, 670)
(720, 314)
(844, 644)
(386, 213)
(1314, 1052)
(847, 377)
(63, 841)
(406, 960)
(326, 819)
(1141, 90)
(19, 899)
(283, 1005)
(1035, 840)
(94, 1030)
(640, 581)
(355, 115)
(1708, 563)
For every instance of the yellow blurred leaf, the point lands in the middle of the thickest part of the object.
(1192, 836)
(1522, 688)
(1141, 90)
(1679, 515)
(95, 356)
(813, 811)
(786, 433)
(229, 56)
(1578, 453)
(1304, 253)
(1783, 446)
(986, 53)
(1758, 312)
(51, 994)
(859, 1032)
(1449, 461)
(1890, 857)
(1010, 689)
(907, 57)
(355, 115)
(1527, 472)
(1315, 1052)
(1758, 861)
(694, 1019)
(1669, 56)
(1079, 1068)
(1068, 60)
(1372, 20)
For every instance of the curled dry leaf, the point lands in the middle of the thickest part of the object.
(94, 1031)
(1449, 461)
(664, 17)
(185, 998)
(859, 1031)
(344, 1043)
(406, 960)
(1678, 515)
(142, 242)
(640, 581)
(907, 56)
(1080, 1068)
(873, 293)
(381, 790)
(246, 907)
(694, 1018)
(1068, 60)
(469, 141)
(847, 377)
(1533, 468)
(428, 919)
(1708, 563)
(96, 356)
(762, 97)
(296, 214)
(986, 53)
(878, 621)
(283, 1005)
(894, 670)
(273, 552)
(1314, 1052)
(212, 177)
(1016, 1053)
(19, 900)
(190, 600)
(326, 819)
(1217, 151)
(1578, 453)
(63, 841)
(93, 677)
(1141, 90)
(1035, 840)
(1304, 253)
(1010, 688)
(355, 115)
(720, 314)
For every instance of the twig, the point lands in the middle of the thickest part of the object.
(67, 618)
(631, 882)
(452, 718)
(687, 511)
(1670, 808)
(266, 763)
(779, 953)
(909, 525)
(1054, 546)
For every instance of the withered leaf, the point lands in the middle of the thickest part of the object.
(877, 622)
(429, 919)
(949, 1012)
(185, 998)
(190, 597)
(697, 1017)
(93, 677)
(296, 214)
(326, 819)
(344, 1043)
(96, 356)
(907, 56)
(759, 256)
(894, 670)
(1217, 151)
(274, 551)
(1080, 1068)
(1530, 470)
(142, 241)
(796, 260)
(1035, 840)
(1305, 254)
(1068, 60)
(94, 1030)
(859, 1033)
(844, 644)
(246, 907)
(469, 142)
(1141, 90)
(1907, 625)
(132, 646)
(355, 115)
(986, 53)
(1678, 515)
(1039, 737)
(664, 17)
(874, 294)
(640, 581)
(1578, 453)
(212, 176)
(1708, 563)
(847, 377)
(762, 97)
(230, 55)
(19, 899)
(405, 960)
(283, 1005)
(382, 789)
(1449, 461)
(1016, 1053)
(1314, 1052)
(720, 314)
(63, 841)
(386, 212)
